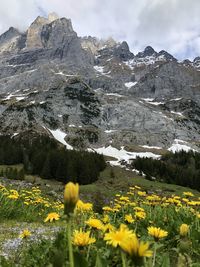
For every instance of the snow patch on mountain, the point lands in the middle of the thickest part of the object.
(130, 84)
(177, 113)
(123, 155)
(60, 136)
(152, 147)
(99, 69)
(180, 145)
(114, 94)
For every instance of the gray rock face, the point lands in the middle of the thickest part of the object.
(148, 51)
(57, 33)
(167, 81)
(94, 44)
(9, 40)
(96, 91)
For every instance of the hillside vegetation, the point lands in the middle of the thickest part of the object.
(44, 157)
(135, 229)
(181, 168)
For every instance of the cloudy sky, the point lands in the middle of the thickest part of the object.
(172, 25)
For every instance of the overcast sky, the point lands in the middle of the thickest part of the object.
(172, 25)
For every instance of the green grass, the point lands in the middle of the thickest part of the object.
(106, 185)
(40, 249)
(124, 179)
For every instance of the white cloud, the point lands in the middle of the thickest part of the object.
(172, 25)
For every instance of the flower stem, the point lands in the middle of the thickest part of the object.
(154, 255)
(123, 256)
(88, 252)
(71, 257)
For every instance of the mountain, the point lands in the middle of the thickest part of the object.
(93, 93)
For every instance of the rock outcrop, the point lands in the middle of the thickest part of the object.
(97, 91)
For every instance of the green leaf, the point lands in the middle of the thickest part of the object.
(79, 260)
(166, 261)
(100, 262)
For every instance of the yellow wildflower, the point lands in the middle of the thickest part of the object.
(141, 193)
(106, 219)
(129, 218)
(135, 248)
(106, 208)
(156, 232)
(52, 217)
(140, 215)
(125, 199)
(184, 228)
(26, 233)
(137, 187)
(117, 237)
(139, 209)
(95, 223)
(188, 194)
(108, 227)
(82, 239)
(71, 197)
(13, 196)
(81, 206)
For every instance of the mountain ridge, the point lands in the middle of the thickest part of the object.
(52, 78)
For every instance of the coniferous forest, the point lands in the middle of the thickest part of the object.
(44, 157)
(181, 168)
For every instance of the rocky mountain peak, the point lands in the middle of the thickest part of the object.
(57, 33)
(122, 51)
(197, 59)
(9, 34)
(33, 34)
(166, 55)
(148, 51)
(48, 32)
(65, 24)
(94, 44)
(52, 16)
(196, 62)
(49, 76)
(39, 21)
(9, 39)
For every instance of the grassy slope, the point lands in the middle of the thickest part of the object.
(123, 179)
(106, 185)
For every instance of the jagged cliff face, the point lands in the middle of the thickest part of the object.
(96, 91)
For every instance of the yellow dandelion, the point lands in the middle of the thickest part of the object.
(106, 219)
(82, 239)
(140, 215)
(141, 193)
(106, 208)
(71, 197)
(26, 233)
(137, 187)
(95, 223)
(13, 196)
(116, 237)
(81, 206)
(108, 227)
(157, 232)
(188, 194)
(184, 229)
(129, 218)
(53, 216)
(135, 248)
(124, 199)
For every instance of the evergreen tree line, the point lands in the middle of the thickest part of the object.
(43, 156)
(181, 168)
